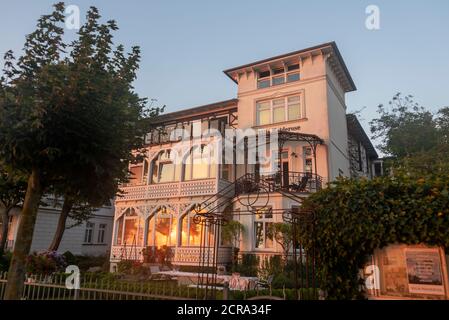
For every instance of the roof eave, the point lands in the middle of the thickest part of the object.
(332, 44)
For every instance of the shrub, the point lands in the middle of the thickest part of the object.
(248, 266)
(271, 266)
(46, 262)
(86, 262)
(355, 217)
(125, 266)
(70, 258)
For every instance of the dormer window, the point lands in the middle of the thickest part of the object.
(264, 79)
(277, 76)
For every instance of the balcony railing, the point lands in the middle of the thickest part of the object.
(191, 255)
(119, 253)
(172, 189)
(182, 255)
(301, 182)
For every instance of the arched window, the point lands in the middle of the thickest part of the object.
(162, 228)
(130, 228)
(191, 231)
(163, 169)
(200, 163)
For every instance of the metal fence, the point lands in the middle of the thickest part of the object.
(53, 287)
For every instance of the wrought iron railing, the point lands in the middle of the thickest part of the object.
(303, 182)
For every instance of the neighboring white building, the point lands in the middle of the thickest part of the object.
(301, 94)
(89, 238)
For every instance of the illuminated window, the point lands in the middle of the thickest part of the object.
(200, 163)
(163, 168)
(293, 108)
(278, 110)
(263, 113)
(129, 230)
(162, 228)
(191, 231)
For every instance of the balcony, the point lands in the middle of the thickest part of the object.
(296, 182)
(172, 189)
(182, 255)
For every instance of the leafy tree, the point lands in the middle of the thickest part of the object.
(282, 233)
(406, 129)
(416, 141)
(69, 119)
(230, 232)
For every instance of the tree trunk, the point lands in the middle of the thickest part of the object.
(17, 269)
(66, 208)
(5, 225)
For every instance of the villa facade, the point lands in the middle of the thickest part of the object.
(299, 95)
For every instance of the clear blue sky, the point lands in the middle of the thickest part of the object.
(187, 44)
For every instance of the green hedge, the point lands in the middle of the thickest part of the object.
(354, 217)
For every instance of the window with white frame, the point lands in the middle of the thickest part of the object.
(200, 163)
(162, 228)
(277, 76)
(88, 234)
(278, 110)
(129, 228)
(164, 169)
(191, 230)
(101, 233)
(263, 222)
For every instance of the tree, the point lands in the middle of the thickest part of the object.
(230, 232)
(12, 193)
(71, 208)
(282, 233)
(415, 140)
(398, 128)
(76, 121)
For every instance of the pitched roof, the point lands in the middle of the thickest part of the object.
(328, 45)
(196, 111)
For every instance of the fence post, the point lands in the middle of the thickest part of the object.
(226, 290)
(76, 296)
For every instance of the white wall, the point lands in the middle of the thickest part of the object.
(73, 238)
(338, 129)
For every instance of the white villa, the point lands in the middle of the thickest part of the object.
(302, 94)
